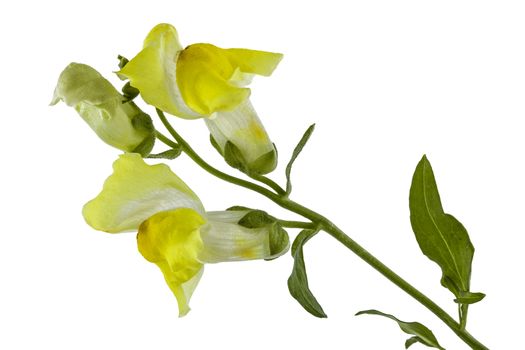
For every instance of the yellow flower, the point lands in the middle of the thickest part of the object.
(205, 81)
(120, 124)
(174, 230)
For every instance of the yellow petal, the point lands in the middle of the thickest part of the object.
(203, 74)
(153, 72)
(171, 239)
(134, 192)
(253, 61)
(211, 78)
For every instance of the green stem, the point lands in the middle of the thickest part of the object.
(463, 313)
(297, 224)
(165, 139)
(203, 164)
(335, 232)
(268, 182)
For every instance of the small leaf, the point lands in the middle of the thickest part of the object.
(256, 219)
(298, 281)
(469, 298)
(234, 157)
(129, 92)
(295, 154)
(122, 61)
(441, 237)
(411, 341)
(169, 154)
(422, 334)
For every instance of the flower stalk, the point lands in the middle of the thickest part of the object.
(280, 198)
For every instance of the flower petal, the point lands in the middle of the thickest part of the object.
(171, 239)
(244, 129)
(211, 78)
(134, 192)
(121, 125)
(153, 72)
(203, 74)
(253, 61)
(224, 240)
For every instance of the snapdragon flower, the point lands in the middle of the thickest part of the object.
(117, 122)
(205, 81)
(174, 230)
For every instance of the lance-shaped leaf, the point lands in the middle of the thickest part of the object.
(298, 281)
(421, 334)
(295, 154)
(441, 237)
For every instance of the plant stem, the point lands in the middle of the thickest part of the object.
(297, 224)
(335, 232)
(463, 313)
(269, 182)
(165, 139)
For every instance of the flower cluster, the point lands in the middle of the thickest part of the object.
(201, 81)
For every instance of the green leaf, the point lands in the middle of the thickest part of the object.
(441, 237)
(234, 157)
(298, 281)
(411, 341)
(129, 92)
(295, 154)
(122, 61)
(469, 298)
(169, 154)
(421, 333)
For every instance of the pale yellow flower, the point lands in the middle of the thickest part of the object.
(118, 123)
(205, 81)
(174, 230)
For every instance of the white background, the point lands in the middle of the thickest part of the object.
(385, 81)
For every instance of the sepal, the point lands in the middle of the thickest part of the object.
(240, 137)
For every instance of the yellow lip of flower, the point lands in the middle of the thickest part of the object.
(121, 125)
(174, 231)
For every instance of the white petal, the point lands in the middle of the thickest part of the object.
(224, 240)
(243, 128)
